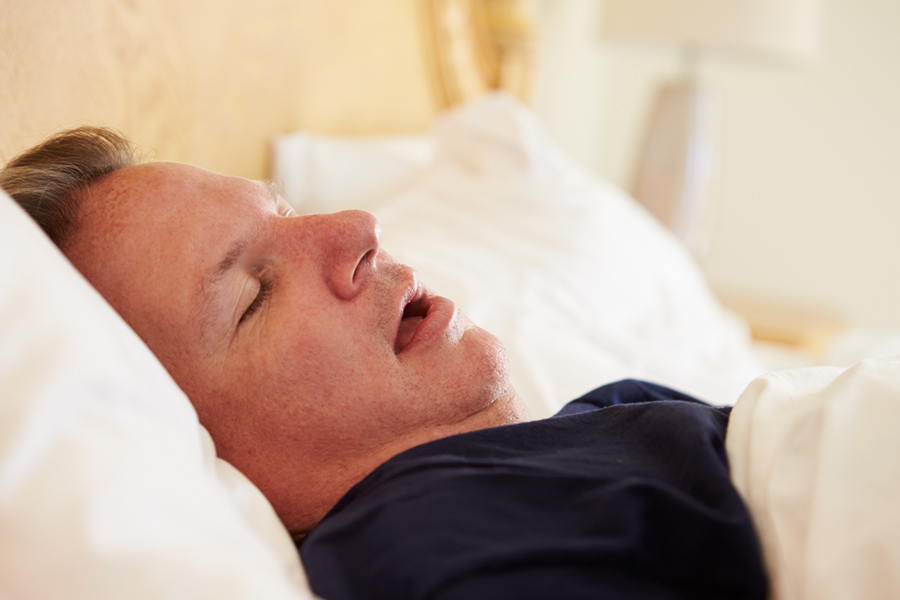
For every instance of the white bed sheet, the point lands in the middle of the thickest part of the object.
(814, 452)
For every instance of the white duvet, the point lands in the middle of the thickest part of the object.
(816, 455)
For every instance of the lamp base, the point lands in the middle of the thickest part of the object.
(676, 166)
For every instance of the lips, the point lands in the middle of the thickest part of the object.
(413, 310)
(422, 316)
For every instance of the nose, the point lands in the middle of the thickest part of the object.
(348, 244)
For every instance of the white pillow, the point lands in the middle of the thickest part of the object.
(581, 284)
(816, 455)
(322, 174)
(109, 487)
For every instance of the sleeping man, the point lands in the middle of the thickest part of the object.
(376, 418)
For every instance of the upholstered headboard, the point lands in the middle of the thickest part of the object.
(212, 81)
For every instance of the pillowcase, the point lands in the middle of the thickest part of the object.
(322, 174)
(109, 487)
(580, 283)
(814, 452)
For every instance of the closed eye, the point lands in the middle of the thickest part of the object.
(265, 289)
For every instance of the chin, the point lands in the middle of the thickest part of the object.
(492, 373)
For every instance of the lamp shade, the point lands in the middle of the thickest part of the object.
(786, 29)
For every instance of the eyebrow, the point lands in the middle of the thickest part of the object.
(225, 265)
(210, 281)
(239, 247)
(211, 278)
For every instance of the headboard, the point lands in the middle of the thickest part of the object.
(210, 82)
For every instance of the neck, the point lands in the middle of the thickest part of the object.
(304, 491)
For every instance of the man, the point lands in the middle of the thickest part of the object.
(331, 377)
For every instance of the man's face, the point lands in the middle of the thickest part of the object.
(310, 355)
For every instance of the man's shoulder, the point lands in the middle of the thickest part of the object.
(620, 481)
(626, 391)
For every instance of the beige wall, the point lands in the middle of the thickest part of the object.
(210, 81)
(809, 189)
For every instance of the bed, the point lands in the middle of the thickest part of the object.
(110, 488)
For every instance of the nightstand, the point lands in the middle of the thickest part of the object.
(806, 328)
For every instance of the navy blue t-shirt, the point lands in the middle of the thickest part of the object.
(623, 494)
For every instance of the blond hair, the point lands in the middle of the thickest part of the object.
(48, 180)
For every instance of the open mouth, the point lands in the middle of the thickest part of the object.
(413, 314)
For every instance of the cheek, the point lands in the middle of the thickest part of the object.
(324, 364)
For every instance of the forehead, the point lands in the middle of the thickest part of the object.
(160, 206)
(161, 191)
